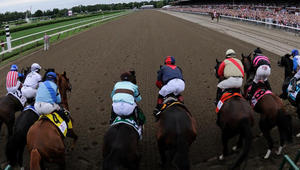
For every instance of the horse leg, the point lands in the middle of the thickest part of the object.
(72, 135)
(282, 140)
(239, 144)
(20, 154)
(225, 139)
(266, 132)
(162, 152)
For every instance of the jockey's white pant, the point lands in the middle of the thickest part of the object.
(13, 89)
(28, 92)
(231, 82)
(175, 86)
(123, 108)
(262, 73)
(45, 108)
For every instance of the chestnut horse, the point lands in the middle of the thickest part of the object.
(44, 141)
(9, 105)
(272, 112)
(235, 118)
(176, 132)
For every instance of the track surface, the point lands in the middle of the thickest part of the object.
(94, 60)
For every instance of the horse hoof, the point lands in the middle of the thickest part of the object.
(267, 154)
(234, 148)
(279, 150)
(298, 135)
(8, 167)
(22, 168)
(221, 157)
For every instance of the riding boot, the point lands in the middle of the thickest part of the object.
(31, 101)
(268, 86)
(113, 116)
(159, 104)
(218, 95)
(140, 117)
(252, 91)
(294, 84)
(62, 113)
(180, 98)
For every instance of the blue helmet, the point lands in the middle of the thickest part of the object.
(13, 67)
(295, 52)
(51, 76)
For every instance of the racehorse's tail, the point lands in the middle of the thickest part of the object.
(284, 122)
(181, 157)
(11, 150)
(246, 133)
(111, 162)
(35, 159)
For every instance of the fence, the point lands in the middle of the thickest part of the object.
(58, 34)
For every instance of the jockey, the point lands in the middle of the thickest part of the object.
(296, 68)
(124, 97)
(47, 96)
(169, 80)
(12, 79)
(262, 67)
(231, 72)
(31, 82)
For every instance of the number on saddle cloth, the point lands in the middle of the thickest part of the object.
(293, 96)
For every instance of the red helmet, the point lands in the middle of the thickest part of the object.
(170, 60)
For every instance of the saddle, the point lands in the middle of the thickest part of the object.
(225, 96)
(258, 94)
(171, 100)
(129, 120)
(62, 124)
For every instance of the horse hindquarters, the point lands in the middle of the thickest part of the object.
(246, 133)
(35, 159)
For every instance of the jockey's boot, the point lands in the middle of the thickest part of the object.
(31, 101)
(294, 84)
(113, 116)
(62, 113)
(218, 95)
(268, 86)
(140, 117)
(252, 91)
(159, 104)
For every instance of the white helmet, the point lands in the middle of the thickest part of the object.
(35, 67)
(230, 52)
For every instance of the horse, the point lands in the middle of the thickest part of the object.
(287, 62)
(17, 142)
(176, 132)
(235, 118)
(44, 141)
(272, 113)
(9, 105)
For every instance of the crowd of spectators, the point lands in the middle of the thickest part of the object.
(287, 16)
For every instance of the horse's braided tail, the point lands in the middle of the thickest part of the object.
(246, 133)
(181, 157)
(35, 159)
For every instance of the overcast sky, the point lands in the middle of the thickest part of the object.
(23, 5)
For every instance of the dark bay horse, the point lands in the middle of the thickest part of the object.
(176, 132)
(9, 105)
(286, 61)
(17, 142)
(120, 148)
(272, 113)
(235, 118)
(44, 141)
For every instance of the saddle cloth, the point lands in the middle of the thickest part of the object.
(30, 107)
(18, 94)
(130, 122)
(258, 95)
(291, 95)
(58, 122)
(225, 97)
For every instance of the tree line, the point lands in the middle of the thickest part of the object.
(12, 16)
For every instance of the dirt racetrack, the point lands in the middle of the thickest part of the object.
(94, 60)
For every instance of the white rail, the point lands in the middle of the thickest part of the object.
(39, 39)
(63, 26)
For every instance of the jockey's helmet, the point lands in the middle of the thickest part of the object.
(129, 76)
(51, 76)
(35, 67)
(257, 51)
(13, 67)
(170, 60)
(230, 53)
(295, 52)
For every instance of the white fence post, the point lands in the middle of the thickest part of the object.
(8, 42)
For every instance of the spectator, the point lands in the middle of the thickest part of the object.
(46, 42)
(2, 45)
